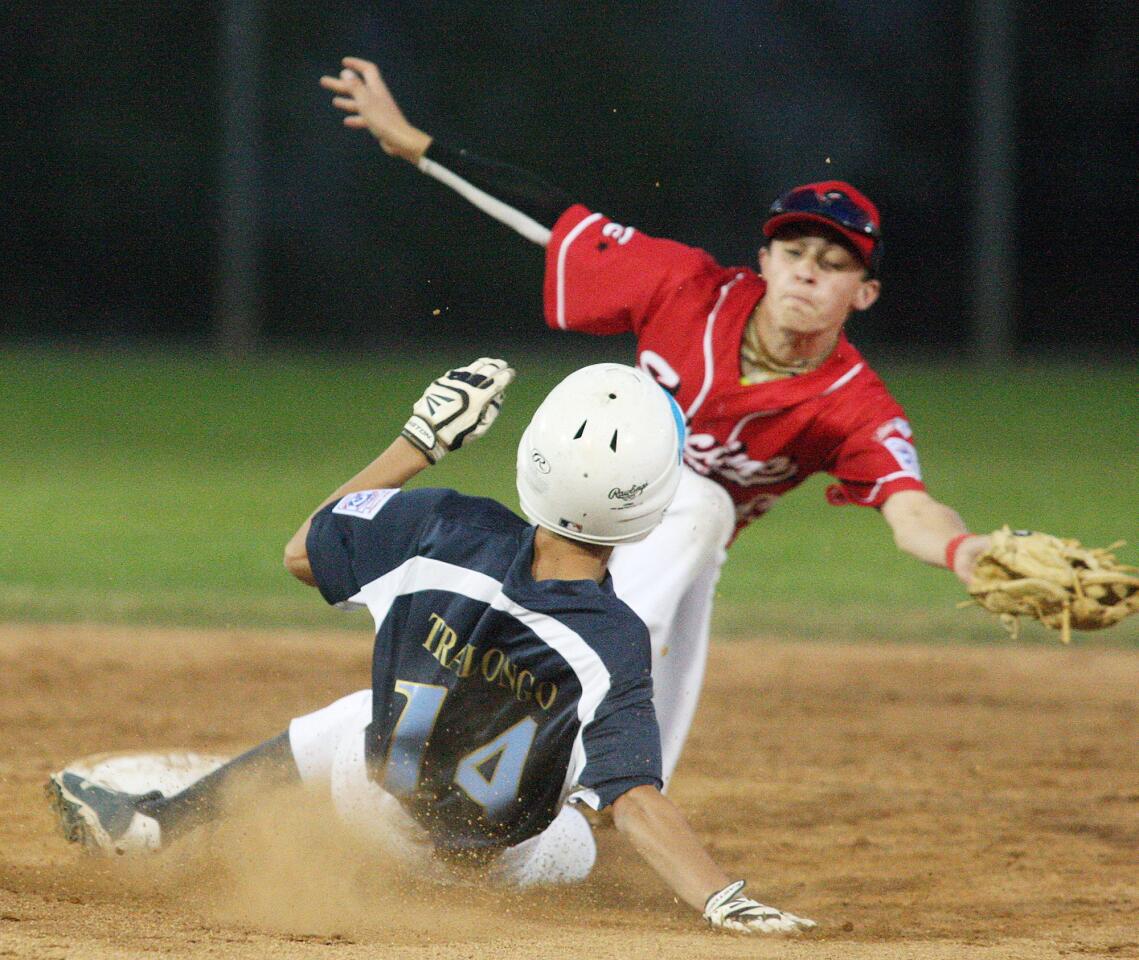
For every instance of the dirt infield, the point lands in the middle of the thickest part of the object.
(920, 802)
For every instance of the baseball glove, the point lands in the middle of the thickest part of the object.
(1059, 582)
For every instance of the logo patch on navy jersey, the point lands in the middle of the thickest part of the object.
(363, 503)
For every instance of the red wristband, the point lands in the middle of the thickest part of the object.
(951, 548)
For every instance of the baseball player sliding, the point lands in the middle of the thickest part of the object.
(508, 680)
(768, 383)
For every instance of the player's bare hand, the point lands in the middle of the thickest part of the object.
(361, 93)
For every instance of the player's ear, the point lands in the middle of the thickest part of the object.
(764, 253)
(867, 293)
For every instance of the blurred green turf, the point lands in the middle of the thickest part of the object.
(161, 488)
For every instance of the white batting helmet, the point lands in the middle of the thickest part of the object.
(600, 460)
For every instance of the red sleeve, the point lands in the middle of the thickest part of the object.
(603, 277)
(876, 461)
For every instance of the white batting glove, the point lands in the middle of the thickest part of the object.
(730, 911)
(458, 407)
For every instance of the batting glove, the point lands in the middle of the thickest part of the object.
(458, 407)
(730, 911)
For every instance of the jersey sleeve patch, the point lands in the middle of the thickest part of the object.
(906, 455)
(875, 463)
(347, 548)
(364, 504)
(896, 435)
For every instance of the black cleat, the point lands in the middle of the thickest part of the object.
(104, 821)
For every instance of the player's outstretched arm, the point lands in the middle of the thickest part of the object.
(362, 94)
(660, 833)
(455, 409)
(513, 196)
(933, 532)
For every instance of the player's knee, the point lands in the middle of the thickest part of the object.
(720, 514)
(564, 852)
(372, 814)
(708, 513)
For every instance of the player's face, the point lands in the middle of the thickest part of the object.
(813, 282)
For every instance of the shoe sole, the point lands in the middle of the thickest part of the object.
(76, 820)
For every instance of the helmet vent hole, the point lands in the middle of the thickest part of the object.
(613, 442)
(580, 430)
(612, 396)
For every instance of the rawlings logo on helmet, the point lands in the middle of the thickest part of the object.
(629, 493)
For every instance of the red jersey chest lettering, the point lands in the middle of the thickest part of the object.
(731, 461)
(660, 370)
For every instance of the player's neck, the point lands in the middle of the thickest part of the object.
(792, 350)
(556, 558)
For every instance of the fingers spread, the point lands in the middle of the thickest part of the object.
(368, 70)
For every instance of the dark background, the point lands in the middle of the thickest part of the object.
(685, 119)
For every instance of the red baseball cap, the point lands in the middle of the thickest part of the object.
(837, 205)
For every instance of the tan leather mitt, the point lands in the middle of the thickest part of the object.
(1059, 582)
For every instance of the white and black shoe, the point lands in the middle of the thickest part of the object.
(104, 821)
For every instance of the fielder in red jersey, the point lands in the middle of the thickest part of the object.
(757, 440)
(771, 389)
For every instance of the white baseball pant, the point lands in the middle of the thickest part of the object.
(669, 579)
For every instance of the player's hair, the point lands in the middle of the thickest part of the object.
(600, 460)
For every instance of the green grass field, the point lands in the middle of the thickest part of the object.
(155, 488)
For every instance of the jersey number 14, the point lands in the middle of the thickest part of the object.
(504, 756)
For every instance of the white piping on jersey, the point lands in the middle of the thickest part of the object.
(709, 360)
(427, 573)
(869, 498)
(841, 381)
(530, 228)
(844, 379)
(423, 573)
(562, 250)
(590, 671)
(587, 795)
(744, 421)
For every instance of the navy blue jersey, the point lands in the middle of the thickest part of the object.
(496, 697)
